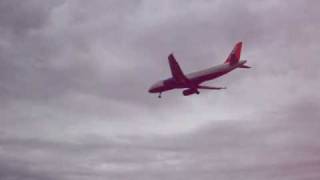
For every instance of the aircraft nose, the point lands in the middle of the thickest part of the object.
(150, 90)
(154, 88)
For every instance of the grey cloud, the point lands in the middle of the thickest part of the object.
(20, 17)
(277, 146)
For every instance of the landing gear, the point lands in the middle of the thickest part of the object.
(197, 92)
(159, 95)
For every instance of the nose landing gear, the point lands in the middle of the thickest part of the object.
(160, 95)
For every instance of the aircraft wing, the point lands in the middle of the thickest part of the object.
(212, 88)
(176, 71)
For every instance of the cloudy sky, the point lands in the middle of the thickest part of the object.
(74, 76)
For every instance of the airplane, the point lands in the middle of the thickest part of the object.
(192, 82)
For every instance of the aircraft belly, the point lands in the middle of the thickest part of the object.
(171, 84)
(197, 77)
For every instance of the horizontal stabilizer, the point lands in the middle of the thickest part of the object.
(244, 66)
(212, 88)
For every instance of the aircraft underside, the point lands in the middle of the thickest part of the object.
(192, 82)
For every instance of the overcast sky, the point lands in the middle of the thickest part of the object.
(74, 76)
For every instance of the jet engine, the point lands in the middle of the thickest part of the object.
(188, 92)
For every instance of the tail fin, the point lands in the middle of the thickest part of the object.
(234, 56)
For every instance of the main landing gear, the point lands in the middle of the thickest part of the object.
(160, 95)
